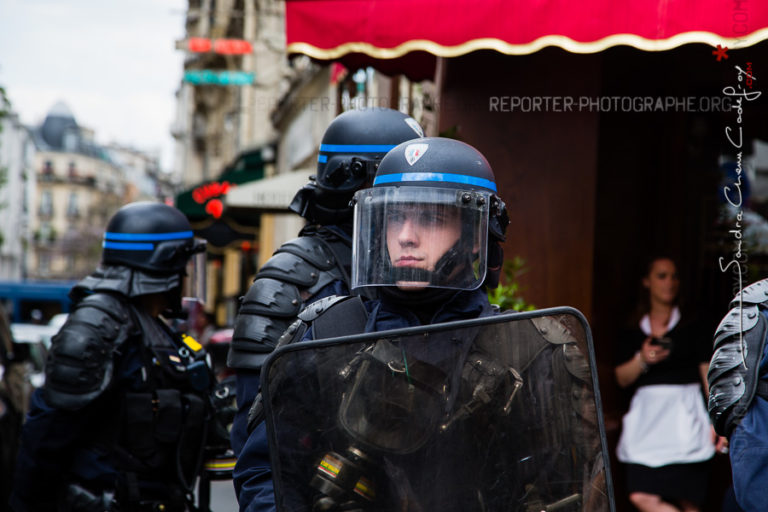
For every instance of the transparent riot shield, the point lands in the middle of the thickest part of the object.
(493, 414)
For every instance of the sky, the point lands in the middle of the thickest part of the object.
(114, 64)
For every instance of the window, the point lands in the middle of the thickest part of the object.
(70, 141)
(45, 232)
(72, 170)
(72, 208)
(46, 203)
(44, 263)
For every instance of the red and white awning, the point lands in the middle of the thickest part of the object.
(417, 30)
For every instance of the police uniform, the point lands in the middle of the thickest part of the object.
(463, 417)
(122, 418)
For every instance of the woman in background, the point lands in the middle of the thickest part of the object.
(666, 437)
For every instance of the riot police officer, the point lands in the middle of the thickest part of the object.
(476, 416)
(317, 263)
(441, 288)
(121, 420)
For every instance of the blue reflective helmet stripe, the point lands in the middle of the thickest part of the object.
(140, 241)
(147, 237)
(356, 148)
(434, 177)
(123, 246)
(322, 159)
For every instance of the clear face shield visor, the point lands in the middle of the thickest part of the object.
(193, 286)
(418, 237)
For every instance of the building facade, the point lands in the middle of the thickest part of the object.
(16, 155)
(215, 122)
(144, 180)
(286, 108)
(221, 128)
(75, 190)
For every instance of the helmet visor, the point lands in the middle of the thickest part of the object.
(416, 237)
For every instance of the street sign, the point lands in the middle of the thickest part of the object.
(209, 77)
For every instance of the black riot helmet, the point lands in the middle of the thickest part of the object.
(352, 147)
(152, 237)
(432, 219)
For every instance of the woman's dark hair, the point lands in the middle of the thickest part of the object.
(643, 305)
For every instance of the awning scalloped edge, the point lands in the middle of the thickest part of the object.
(566, 43)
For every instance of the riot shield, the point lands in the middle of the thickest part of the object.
(492, 414)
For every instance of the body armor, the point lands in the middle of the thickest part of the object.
(122, 420)
(734, 370)
(153, 420)
(80, 365)
(298, 270)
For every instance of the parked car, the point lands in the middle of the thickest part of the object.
(34, 340)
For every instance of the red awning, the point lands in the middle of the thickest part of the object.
(357, 31)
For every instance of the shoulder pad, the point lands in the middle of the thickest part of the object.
(733, 370)
(756, 293)
(80, 365)
(288, 267)
(294, 332)
(329, 317)
(312, 250)
(253, 339)
(106, 313)
(314, 310)
(299, 268)
(267, 310)
(285, 266)
(271, 297)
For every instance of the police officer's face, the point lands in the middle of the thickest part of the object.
(418, 236)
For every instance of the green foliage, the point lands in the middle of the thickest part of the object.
(452, 132)
(5, 104)
(508, 294)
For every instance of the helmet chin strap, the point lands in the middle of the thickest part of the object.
(444, 267)
(410, 274)
(424, 303)
(448, 261)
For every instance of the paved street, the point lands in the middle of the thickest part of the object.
(223, 496)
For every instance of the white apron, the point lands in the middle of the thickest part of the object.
(666, 424)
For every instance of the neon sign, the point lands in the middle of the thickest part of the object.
(210, 190)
